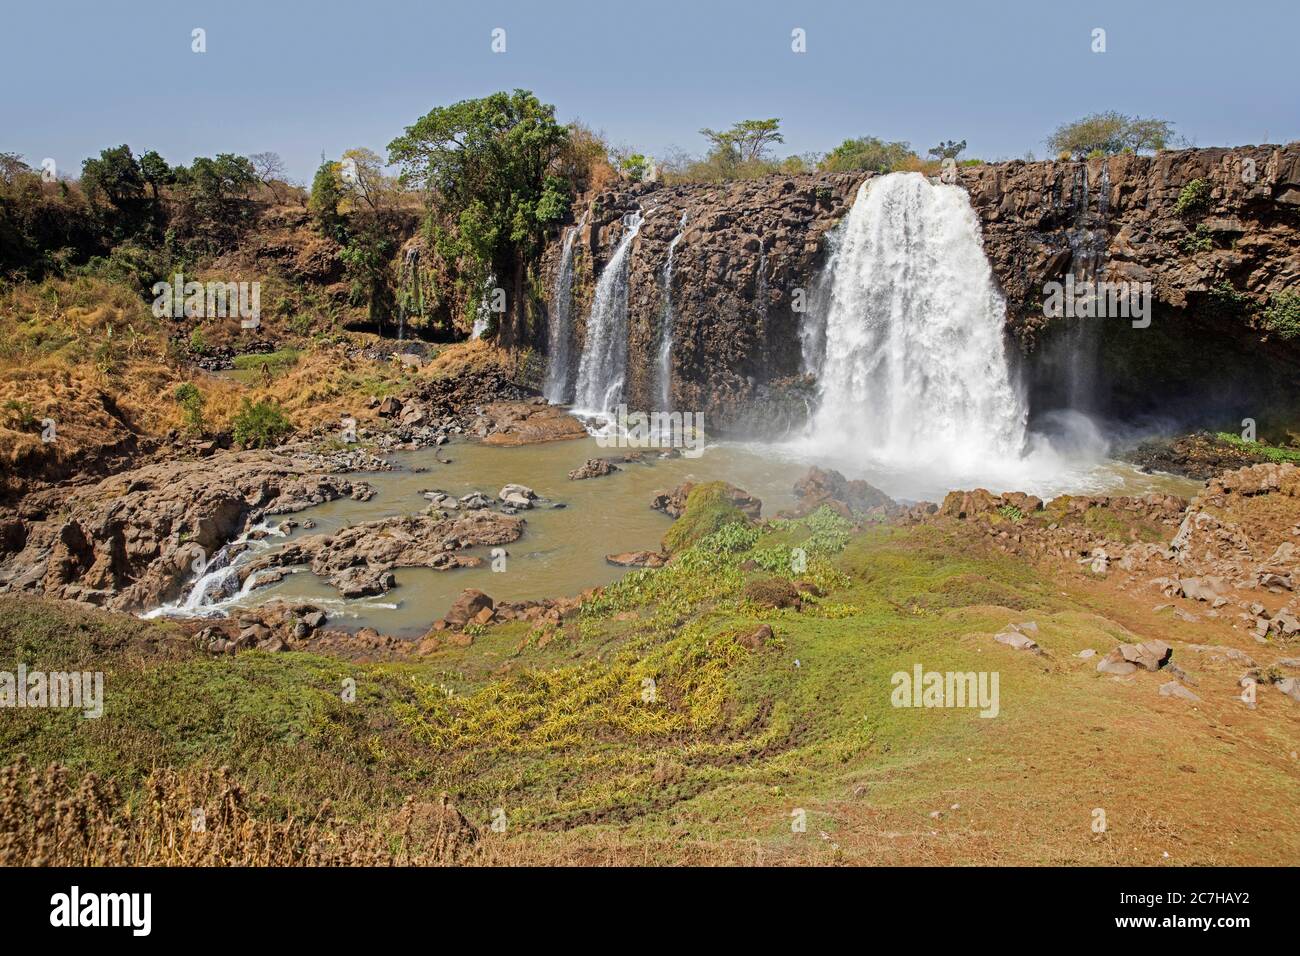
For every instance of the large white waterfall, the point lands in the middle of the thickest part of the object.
(603, 368)
(914, 374)
(665, 367)
(560, 333)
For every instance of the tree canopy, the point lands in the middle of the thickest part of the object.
(1109, 133)
(483, 165)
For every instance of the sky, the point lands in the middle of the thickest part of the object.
(309, 78)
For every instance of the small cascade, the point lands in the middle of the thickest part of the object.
(665, 366)
(915, 371)
(603, 368)
(217, 585)
(558, 389)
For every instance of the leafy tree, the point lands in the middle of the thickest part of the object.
(156, 172)
(326, 194)
(482, 166)
(1108, 133)
(364, 180)
(746, 141)
(867, 154)
(947, 149)
(212, 196)
(635, 166)
(116, 178)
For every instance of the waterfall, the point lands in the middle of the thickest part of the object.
(560, 334)
(483, 314)
(914, 371)
(666, 331)
(604, 355)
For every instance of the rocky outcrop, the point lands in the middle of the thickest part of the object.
(673, 503)
(1118, 219)
(830, 489)
(593, 468)
(525, 423)
(359, 560)
(133, 540)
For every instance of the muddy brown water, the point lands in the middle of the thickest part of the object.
(562, 551)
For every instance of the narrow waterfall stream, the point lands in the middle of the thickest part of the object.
(665, 364)
(603, 368)
(560, 333)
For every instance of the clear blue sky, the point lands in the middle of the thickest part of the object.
(300, 78)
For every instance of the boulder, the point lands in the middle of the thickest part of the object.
(593, 468)
(464, 609)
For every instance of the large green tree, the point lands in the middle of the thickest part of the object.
(482, 166)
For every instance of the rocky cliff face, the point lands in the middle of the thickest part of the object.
(745, 250)
(751, 250)
(1215, 264)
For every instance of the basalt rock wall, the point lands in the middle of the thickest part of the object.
(753, 252)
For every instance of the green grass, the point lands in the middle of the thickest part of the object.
(555, 725)
(1262, 450)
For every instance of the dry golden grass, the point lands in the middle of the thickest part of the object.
(202, 818)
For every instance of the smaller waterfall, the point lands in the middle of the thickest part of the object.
(483, 314)
(665, 368)
(217, 586)
(560, 335)
(603, 368)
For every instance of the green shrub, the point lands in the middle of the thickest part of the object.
(190, 400)
(1199, 240)
(1282, 314)
(1194, 199)
(260, 424)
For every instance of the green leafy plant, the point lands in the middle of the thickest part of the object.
(1282, 314)
(260, 424)
(1193, 199)
(190, 400)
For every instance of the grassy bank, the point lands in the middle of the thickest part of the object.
(649, 728)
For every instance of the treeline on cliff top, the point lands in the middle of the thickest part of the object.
(485, 179)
